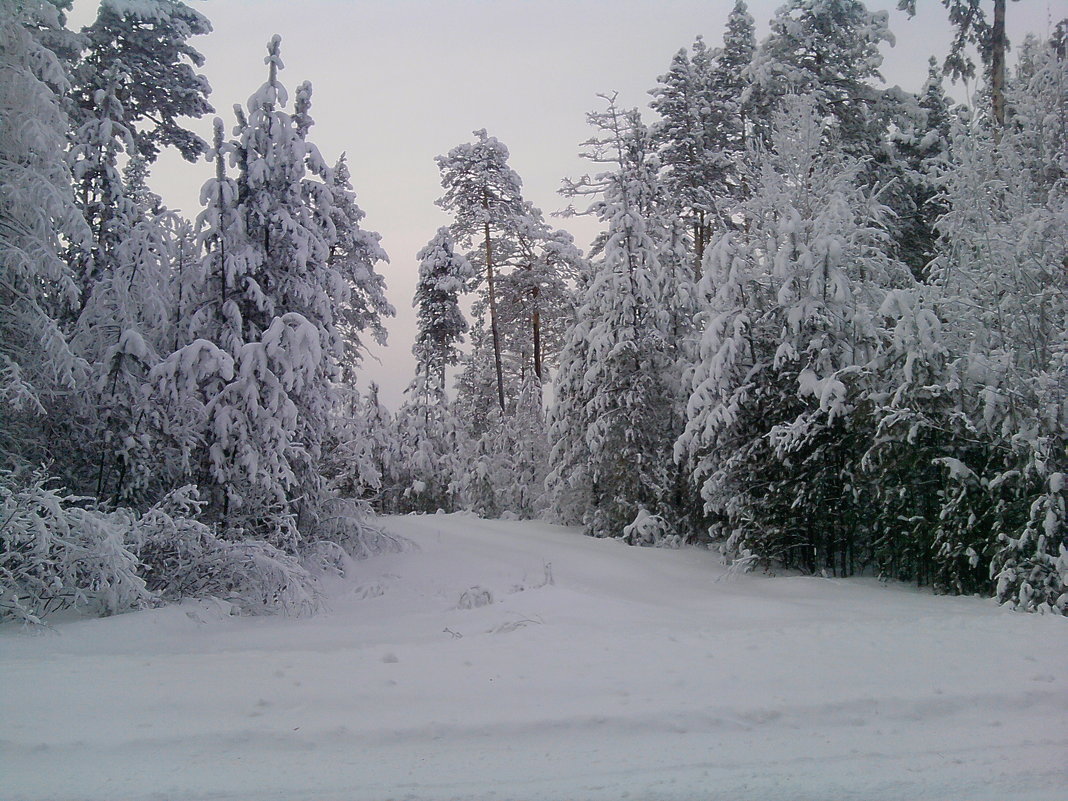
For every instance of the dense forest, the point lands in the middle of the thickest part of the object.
(824, 326)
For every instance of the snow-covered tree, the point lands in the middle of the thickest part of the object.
(38, 220)
(225, 290)
(775, 423)
(535, 299)
(444, 275)
(1001, 292)
(355, 253)
(255, 450)
(526, 448)
(522, 270)
(147, 42)
(688, 137)
(702, 126)
(426, 433)
(377, 423)
(127, 326)
(729, 77)
(921, 150)
(130, 296)
(611, 421)
(504, 461)
(59, 552)
(828, 49)
(484, 195)
(273, 296)
(96, 148)
(133, 81)
(524, 262)
(972, 27)
(426, 464)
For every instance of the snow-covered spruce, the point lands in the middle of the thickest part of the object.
(776, 422)
(614, 416)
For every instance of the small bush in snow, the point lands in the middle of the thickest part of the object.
(183, 558)
(345, 529)
(57, 552)
(645, 529)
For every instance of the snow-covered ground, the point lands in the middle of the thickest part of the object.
(598, 671)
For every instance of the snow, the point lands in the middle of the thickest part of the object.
(519, 660)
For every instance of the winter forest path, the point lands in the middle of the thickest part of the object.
(518, 661)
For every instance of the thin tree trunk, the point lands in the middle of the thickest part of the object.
(536, 324)
(998, 44)
(699, 245)
(493, 310)
(220, 176)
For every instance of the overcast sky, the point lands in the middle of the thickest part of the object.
(398, 82)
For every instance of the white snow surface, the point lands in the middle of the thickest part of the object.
(454, 670)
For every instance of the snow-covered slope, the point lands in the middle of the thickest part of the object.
(597, 671)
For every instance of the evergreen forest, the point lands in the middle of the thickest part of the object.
(823, 327)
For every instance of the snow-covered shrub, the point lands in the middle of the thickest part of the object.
(345, 528)
(57, 551)
(647, 529)
(1028, 573)
(184, 558)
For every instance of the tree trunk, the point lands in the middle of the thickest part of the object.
(699, 245)
(493, 311)
(536, 324)
(998, 45)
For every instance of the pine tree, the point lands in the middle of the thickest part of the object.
(273, 305)
(971, 27)
(687, 135)
(999, 270)
(426, 464)
(519, 316)
(535, 299)
(380, 448)
(96, 148)
(526, 450)
(484, 195)
(135, 74)
(147, 43)
(922, 149)
(729, 79)
(777, 419)
(38, 219)
(831, 51)
(128, 314)
(354, 254)
(425, 429)
(702, 128)
(611, 419)
(444, 275)
(527, 262)
(131, 321)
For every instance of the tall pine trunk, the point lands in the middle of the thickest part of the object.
(536, 325)
(998, 45)
(699, 245)
(493, 308)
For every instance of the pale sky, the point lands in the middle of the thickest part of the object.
(398, 82)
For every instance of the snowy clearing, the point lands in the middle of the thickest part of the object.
(509, 660)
